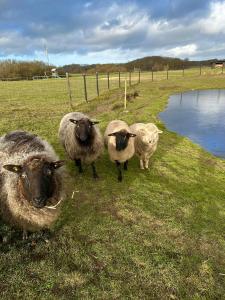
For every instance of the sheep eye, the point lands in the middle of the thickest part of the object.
(49, 172)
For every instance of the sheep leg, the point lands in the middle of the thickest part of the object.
(95, 175)
(118, 165)
(146, 163)
(141, 164)
(79, 165)
(125, 166)
(25, 235)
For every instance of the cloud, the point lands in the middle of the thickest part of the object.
(214, 23)
(183, 51)
(107, 30)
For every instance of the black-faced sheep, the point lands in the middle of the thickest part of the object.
(81, 139)
(145, 142)
(30, 181)
(120, 143)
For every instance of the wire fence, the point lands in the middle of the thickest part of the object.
(75, 88)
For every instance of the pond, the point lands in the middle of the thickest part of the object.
(200, 116)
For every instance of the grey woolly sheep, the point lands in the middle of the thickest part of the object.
(81, 139)
(119, 140)
(30, 181)
(145, 142)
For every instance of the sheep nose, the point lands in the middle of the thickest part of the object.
(39, 202)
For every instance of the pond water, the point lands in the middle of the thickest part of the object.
(199, 115)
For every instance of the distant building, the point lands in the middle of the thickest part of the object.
(218, 64)
(54, 73)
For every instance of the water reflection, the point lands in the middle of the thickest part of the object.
(199, 115)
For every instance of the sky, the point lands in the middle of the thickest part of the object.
(104, 31)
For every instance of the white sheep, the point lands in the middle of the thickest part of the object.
(81, 139)
(119, 140)
(145, 142)
(30, 181)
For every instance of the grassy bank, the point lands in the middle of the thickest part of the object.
(158, 235)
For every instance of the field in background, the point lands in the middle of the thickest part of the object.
(158, 235)
(56, 91)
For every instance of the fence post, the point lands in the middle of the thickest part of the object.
(108, 80)
(200, 70)
(183, 70)
(69, 89)
(167, 73)
(152, 74)
(125, 94)
(85, 87)
(130, 78)
(139, 76)
(119, 80)
(222, 68)
(97, 87)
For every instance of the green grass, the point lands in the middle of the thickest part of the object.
(158, 235)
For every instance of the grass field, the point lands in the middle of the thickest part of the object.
(158, 235)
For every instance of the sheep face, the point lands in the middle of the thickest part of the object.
(121, 138)
(36, 179)
(84, 130)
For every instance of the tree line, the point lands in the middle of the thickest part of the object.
(28, 69)
(23, 69)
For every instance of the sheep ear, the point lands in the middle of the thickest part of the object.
(13, 168)
(131, 134)
(112, 134)
(57, 164)
(160, 131)
(73, 121)
(94, 122)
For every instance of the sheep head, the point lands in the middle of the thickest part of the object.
(36, 179)
(122, 138)
(84, 130)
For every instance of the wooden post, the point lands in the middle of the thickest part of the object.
(130, 78)
(108, 80)
(125, 94)
(167, 73)
(183, 70)
(97, 86)
(139, 76)
(85, 88)
(69, 89)
(119, 80)
(200, 70)
(222, 68)
(152, 74)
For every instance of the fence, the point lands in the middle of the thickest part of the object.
(75, 88)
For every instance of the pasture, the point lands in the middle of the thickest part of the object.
(157, 235)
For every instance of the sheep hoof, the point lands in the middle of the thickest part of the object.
(95, 176)
(120, 178)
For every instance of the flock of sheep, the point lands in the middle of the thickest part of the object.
(31, 187)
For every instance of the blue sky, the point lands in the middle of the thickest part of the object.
(104, 31)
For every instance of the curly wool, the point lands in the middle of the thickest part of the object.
(14, 208)
(145, 133)
(110, 142)
(87, 154)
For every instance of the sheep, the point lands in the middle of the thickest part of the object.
(31, 187)
(81, 139)
(118, 140)
(145, 142)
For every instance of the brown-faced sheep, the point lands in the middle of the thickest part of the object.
(81, 139)
(145, 142)
(30, 181)
(120, 143)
